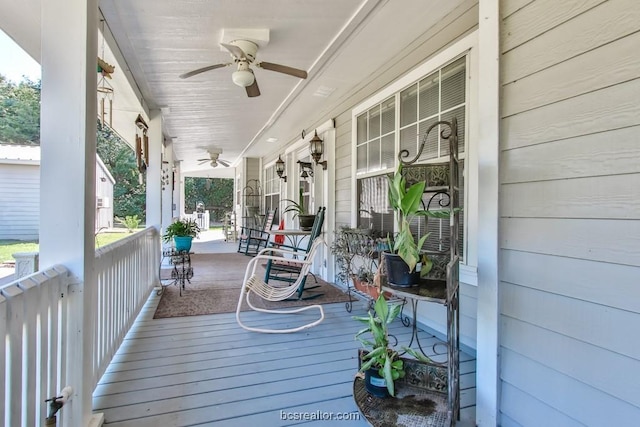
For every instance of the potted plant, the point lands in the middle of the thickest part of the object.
(406, 256)
(357, 256)
(381, 363)
(305, 220)
(182, 232)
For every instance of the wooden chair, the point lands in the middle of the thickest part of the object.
(285, 269)
(254, 285)
(252, 240)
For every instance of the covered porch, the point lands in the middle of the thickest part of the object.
(206, 370)
(546, 94)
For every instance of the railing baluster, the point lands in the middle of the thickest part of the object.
(3, 331)
(15, 311)
(31, 296)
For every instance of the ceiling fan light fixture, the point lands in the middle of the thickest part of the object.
(243, 78)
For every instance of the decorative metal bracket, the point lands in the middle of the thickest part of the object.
(451, 135)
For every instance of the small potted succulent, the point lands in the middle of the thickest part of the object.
(181, 231)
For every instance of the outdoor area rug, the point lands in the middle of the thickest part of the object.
(215, 288)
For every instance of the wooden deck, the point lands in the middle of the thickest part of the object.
(205, 370)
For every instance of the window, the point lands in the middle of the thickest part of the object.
(272, 192)
(305, 178)
(398, 123)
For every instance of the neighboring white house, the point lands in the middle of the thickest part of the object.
(20, 192)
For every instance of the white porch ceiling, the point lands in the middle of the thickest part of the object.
(341, 43)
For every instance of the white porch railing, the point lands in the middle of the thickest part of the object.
(127, 270)
(36, 314)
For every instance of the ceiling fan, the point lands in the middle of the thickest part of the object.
(214, 160)
(243, 53)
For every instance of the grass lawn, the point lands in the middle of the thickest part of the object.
(9, 247)
(103, 239)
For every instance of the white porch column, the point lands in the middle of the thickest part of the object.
(154, 171)
(67, 171)
(488, 342)
(167, 193)
(181, 198)
(178, 192)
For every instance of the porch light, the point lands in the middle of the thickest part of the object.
(316, 146)
(243, 78)
(280, 168)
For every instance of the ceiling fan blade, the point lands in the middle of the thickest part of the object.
(234, 50)
(283, 69)
(223, 163)
(202, 70)
(253, 90)
(203, 161)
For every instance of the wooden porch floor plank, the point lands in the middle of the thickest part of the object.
(224, 399)
(225, 383)
(206, 370)
(230, 411)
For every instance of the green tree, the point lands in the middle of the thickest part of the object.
(129, 197)
(19, 112)
(215, 193)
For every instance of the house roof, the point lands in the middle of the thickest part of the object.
(30, 155)
(21, 154)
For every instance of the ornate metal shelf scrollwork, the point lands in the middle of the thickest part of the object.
(450, 133)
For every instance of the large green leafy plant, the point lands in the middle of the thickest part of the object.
(407, 203)
(181, 228)
(297, 207)
(131, 222)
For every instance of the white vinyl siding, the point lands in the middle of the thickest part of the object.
(19, 201)
(104, 197)
(570, 213)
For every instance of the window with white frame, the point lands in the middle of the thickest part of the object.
(272, 192)
(305, 181)
(397, 123)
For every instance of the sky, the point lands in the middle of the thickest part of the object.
(15, 62)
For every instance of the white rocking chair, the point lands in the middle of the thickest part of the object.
(254, 284)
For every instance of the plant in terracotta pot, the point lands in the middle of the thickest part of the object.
(356, 256)
(407, 203)
(300, 210)
(181, 231)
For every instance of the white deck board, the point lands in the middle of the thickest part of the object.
(206, 370)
